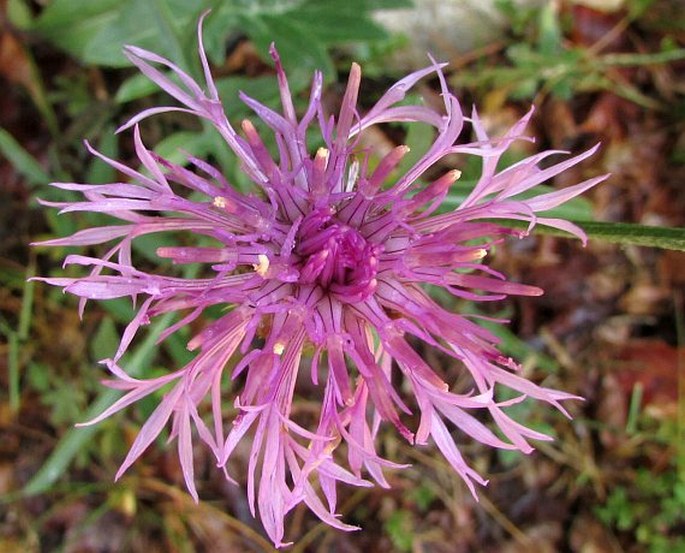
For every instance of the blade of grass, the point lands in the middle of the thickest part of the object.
(75, 438)
(22, 161)
(27, 301)
(10, 335)
(679, 303)
(13, 368)
(15, 338)
(634, 409)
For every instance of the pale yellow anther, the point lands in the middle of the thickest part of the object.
(220, 202)
(262, 266)
(480, 254)
(456, 174)
(279, 348)
(321, 158)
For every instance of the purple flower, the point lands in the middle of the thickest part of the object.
(320, 273)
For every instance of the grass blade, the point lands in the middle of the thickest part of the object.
(22, 161)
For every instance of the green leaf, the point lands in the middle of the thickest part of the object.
(263, 89)
(137, 86)
(147, 244)
(339, 23)
(400, 528)
(576, 209)
(100, 172)
(120, 309)
(105, 341)
(549, 41)
(361, 6)
(419, 138)
(22, 161)
(95, 31)
(300, 53)
(176, 147)
(72, 24)
(152, 25)
(19, 13)
(638, 7)
(176, 346)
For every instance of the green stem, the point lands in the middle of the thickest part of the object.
(671, 238)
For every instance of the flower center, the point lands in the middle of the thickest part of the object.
(337, 257)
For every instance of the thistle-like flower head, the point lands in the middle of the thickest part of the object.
(321, 274)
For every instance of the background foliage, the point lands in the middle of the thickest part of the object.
(610, 327)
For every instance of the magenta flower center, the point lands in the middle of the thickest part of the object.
(337, 257)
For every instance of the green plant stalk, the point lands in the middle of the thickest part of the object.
(10, 334)
(629, 60)
(679, 303)
(13, 368)
(634, 409)
(670, 238)
(27, 301)
(36, 89)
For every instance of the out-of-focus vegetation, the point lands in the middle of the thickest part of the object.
(610, 327)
